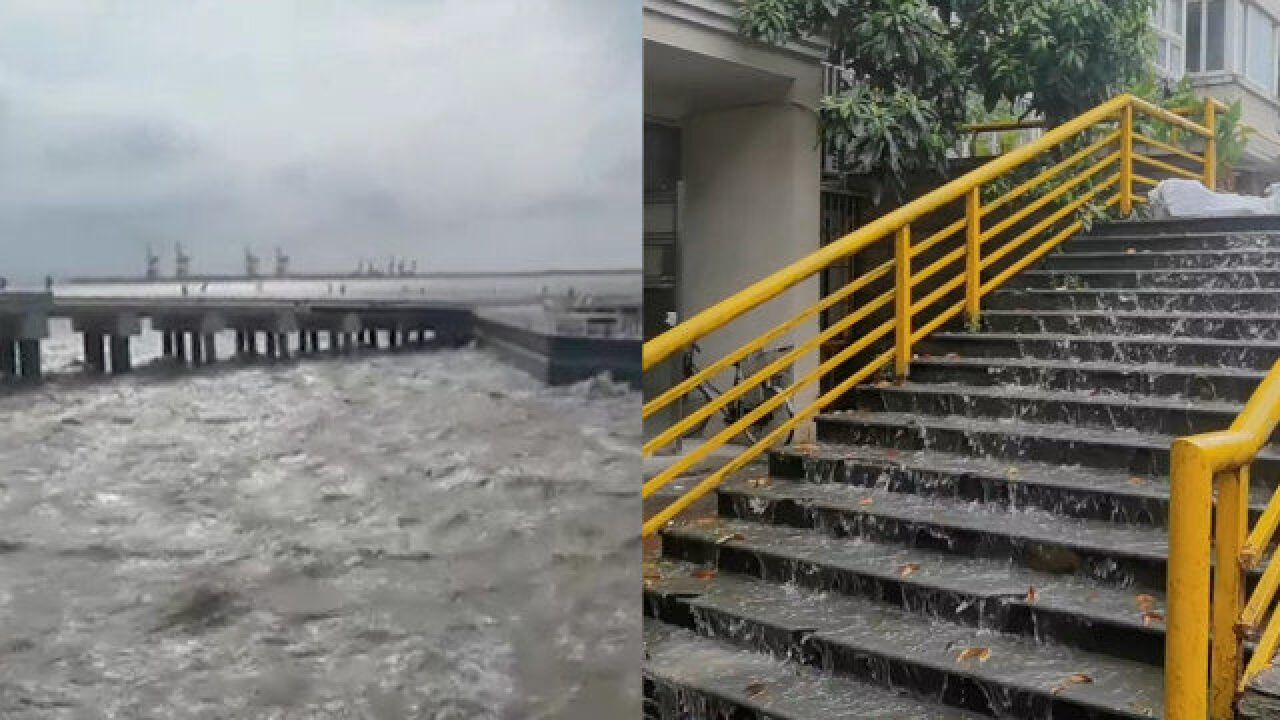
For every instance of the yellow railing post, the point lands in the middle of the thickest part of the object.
(973, 257)
(902, 302)
(1210, 144)
(1230, 529)
(1126, 160)
(1187, 623)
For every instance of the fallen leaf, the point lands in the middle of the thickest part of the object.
(981, 653)
(760, 482)
(1032, 594)
(703, 574)
(754, 689)
(806, 447)
(906, 569)
(866, 501)
(1137, 480)
(953, 355)
(1145, 603)
(1131, 251)
(707, 522)
(1152, 617)
(1076, 679)
(883, 383)
(728, 537)
(1013, 472)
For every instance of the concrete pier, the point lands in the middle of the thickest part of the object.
(189, 327)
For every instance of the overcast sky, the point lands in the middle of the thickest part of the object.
(467, 134)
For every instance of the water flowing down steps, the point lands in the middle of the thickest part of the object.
(988, 538)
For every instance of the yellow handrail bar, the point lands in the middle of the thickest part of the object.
(723, 312)
(1197, 463)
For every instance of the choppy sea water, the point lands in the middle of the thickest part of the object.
(425, 535)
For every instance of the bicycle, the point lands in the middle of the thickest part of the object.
(740, 407)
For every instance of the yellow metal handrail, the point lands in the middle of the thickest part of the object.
(1092, 159)
(1203, 676)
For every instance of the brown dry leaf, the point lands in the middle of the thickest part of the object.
(883, 383)
(754, 689)
(806, 447)
(1032, 594)
(706, 522)
(1076, 679)
(728, 537)
(1013, 472)
(760, 482)
(1145, 603)
(1152, 617)
(1131, 251)
(866, 501)
(1137, 480)
(981, 653)
(703, 574)
(906, 569)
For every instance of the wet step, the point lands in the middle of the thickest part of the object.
(1160, 299)
(1122, 555)
(1135, 452)
(1080, 492)
(978, 670)
(689, 676)
(1235, 279)
(1208, 383)
(1165, 415)
(1203, 352)
(1223, 326)
(1249, 224)
(1132, 258)
(974, 591)
(1203, 242)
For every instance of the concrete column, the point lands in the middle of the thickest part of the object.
(166, 342)
(210, 348)
(422, 337)
(271, 345)
(197, 349)
(29, 358)
(251, 343)
(120, 360)
(94, 362)
(315, 340)
(739, 227)
(240, 342)
(373, 338)
(393, 337)
(302, 342)
(180, 346)
(8, 357)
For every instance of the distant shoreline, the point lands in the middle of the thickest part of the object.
(121, 279)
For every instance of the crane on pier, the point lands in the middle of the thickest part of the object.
(251, 263)
(181, 261)
(153, 263)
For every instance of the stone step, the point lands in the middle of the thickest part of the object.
(1146, 299)
(1132, 258)
(1223, 326)
(977, 670)
(1117, 554)
(1202, 242)
(1184, 226)
(687, 675)
(1134, 452)
(1200, 352)
(1223, 384)
(974, 591)
(1163, 415)
(1079, 492)
(1236, 279)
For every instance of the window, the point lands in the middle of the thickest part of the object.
(1167, 18)
(1259, 48)
(1205, 40)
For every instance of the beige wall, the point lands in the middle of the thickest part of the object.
(752, 191)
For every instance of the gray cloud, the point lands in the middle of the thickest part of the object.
(467, 134)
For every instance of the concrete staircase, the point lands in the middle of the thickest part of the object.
(989, 538)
